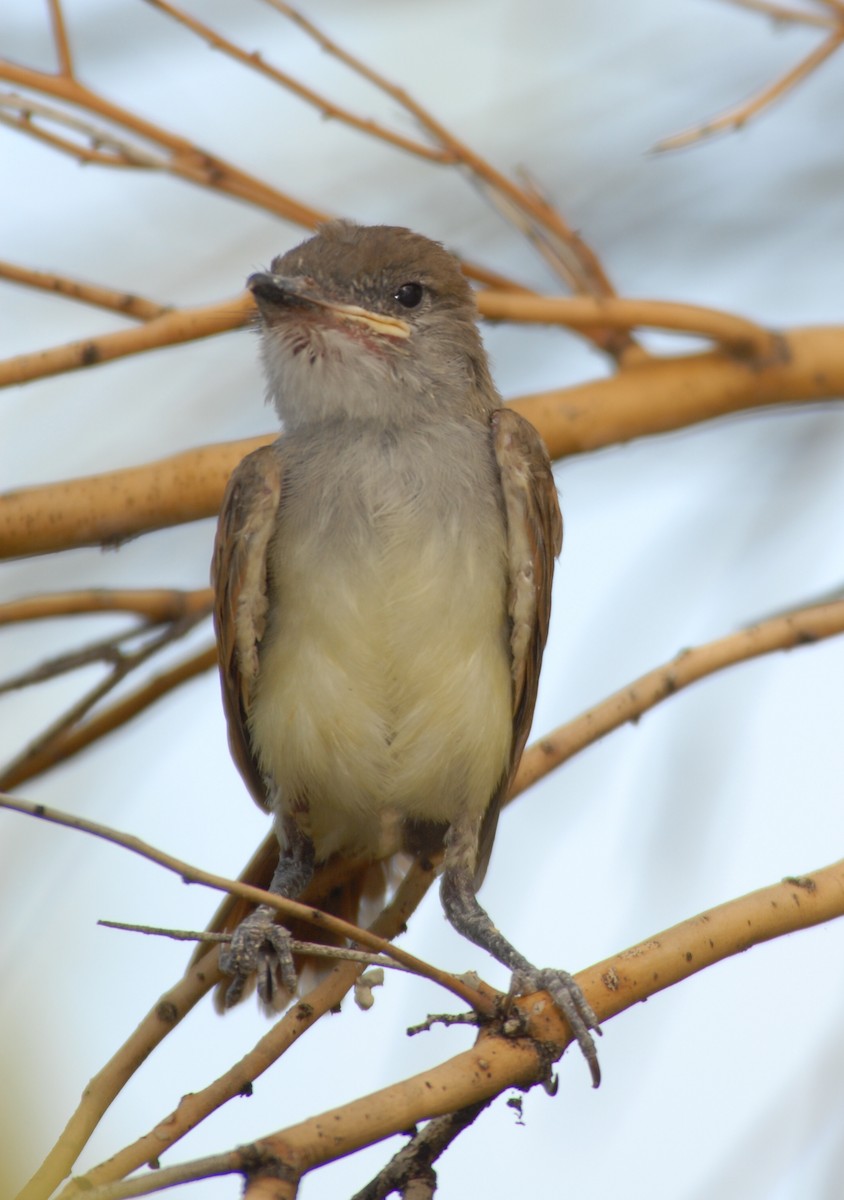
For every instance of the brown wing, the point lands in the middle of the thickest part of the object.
(534, 539)
(239, 577)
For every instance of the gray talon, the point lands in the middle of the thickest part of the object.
(572, 1003)
(259, 946)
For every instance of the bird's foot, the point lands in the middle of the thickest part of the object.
(261, 947)
(571, 1002)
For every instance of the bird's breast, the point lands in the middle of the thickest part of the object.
(385, 682)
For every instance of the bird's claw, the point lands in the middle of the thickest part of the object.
(571, 1002)
(261, 947)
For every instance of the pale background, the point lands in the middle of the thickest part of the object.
(729, 1085)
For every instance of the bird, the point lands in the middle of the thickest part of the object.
(382, 588)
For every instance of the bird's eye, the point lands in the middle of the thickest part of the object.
(409, 295)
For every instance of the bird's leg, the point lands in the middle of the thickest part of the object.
(473, 922)
(260, 944)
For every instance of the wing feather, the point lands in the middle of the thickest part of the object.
(534, 539)
(239, 578)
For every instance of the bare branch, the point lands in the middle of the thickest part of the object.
(481, 1000)
(414, 1162)
(802, 627)
(60, 37)
(171, 328)
(653, 397)
(195, 1106)
(312, 949)
(88, 293)
(496, 1063)
(155, 604)
(583, 312)
(109, 650)
(181, 157)
(580, 265)
(69, 743)
(735, 117)
(256, 62)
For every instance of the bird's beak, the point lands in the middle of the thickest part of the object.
(273, 292)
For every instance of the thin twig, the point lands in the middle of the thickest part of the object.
(256, 62)
(735, 117)
(107, 650)
(479, 1000)
(60, 38)
(799, 628)
(414, 1162)
(72, 741)
(195, 1106)
(312, 949)
(155, 604)
(104, 147)
(583, 268)
(182, 157)
(125, 303)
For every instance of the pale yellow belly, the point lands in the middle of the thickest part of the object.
(385, 684)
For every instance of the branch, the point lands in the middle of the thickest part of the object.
(69, 743)
(172, 1007)
(796, 629)
(652, 397)
(496, 1063)
(122, 662)
(802, 627)
(177, 155)
(542, 224)
(735, 118)
(481, 1000)
(157, 605)
(88, 293)
(171, 328)
(256, 62)
(414, 1161)
(583, 312)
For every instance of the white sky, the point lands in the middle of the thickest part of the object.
(728, 1085)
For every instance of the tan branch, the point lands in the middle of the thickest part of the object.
(802, 627)
(496, 1063)
(69, 743)
(255, 62)
(653, 397)
(155, 604)
(533, 215)
(171, 328)
(60, 37)
(481, 1000)
(735, 117)
(196, 1106)
(780, 12)
(183, 158)
(88, 293)
(100, 509)
(583, 312)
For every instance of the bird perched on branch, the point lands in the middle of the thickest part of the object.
(382, 576)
